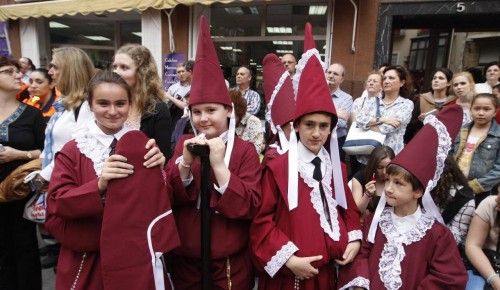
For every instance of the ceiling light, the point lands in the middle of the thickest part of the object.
(217, 36)
(253, 63)
(254, 10)
(282, 42)
(281, 30)
(237, 50)
(284, 51)
(97, 38)
(53, 24)
(234, 10)
(317, 10)
(226, 47)
(137, 33)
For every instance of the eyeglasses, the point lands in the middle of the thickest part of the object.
(10, 71)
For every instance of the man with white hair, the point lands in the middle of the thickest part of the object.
(243, 79)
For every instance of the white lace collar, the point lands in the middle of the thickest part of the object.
(406, 223)
(95, 144)
(394, 251)
(304, 168)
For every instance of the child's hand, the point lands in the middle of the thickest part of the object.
(350, 253)
(301, 266)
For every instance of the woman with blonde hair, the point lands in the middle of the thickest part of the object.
(463, 88)
(149, 113)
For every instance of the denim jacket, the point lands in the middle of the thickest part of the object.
(485, 167)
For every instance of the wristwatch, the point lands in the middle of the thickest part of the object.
(29, 155)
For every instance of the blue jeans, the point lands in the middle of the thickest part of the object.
(474, 282)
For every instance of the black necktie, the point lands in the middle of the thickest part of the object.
(318, 177)
(112, 146)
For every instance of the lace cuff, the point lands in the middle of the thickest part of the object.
(280, 258)
(357, 282)
(355, 235)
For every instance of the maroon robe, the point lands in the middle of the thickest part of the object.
(132, 204)
(431, 262)
(233, 211)
(277, 232)
(75, 218)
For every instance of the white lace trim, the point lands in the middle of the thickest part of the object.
(355, 235)
(444, 146)
(357, 282)
(277, 88)
(394, 252)
(317, 202)
(92, 149)
(279, 259)
(300, 67)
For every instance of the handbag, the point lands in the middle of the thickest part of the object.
(362, 142)
(35, 209)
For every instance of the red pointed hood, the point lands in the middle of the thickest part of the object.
(308, 37)
(208, 84)
(278, 89)
(419, 156)
(313, 95)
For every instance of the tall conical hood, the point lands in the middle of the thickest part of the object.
(280, 98)
(308, 38)
(419, 156)
(208, 84)
(424, 157)
(313, 95)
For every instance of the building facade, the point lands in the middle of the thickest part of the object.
(361, 34)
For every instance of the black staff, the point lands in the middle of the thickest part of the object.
(203, 152)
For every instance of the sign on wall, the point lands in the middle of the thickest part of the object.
(170, 62)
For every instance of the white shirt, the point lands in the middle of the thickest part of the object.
(64, 130)
(406, 223)
(483, 88)
(306, 156)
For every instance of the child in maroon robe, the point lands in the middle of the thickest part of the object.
(406, 245)
(102, 248)
(307, 226)
(280, 100)
(234, 182)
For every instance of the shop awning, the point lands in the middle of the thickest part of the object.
(73, 7)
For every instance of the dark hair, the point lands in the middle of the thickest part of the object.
(451, 176)
(488, 65)
(407, 176)
(333, 123)
(446, 71)
(378, 154)
(30, 63)
(240, 104)
(476, 74)
(109, 77)
(189, 65)
(486, 95)
(45, 74)
(248, 68)
(5, 61)
(407, 89)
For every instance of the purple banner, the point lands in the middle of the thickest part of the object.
(4, 40)
(170, 62)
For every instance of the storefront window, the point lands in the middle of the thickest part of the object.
(243, 34)
(98, 35)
